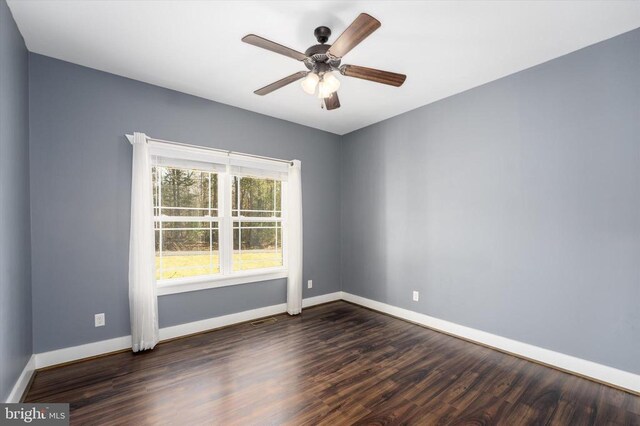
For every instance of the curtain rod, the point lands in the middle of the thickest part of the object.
(130, 139)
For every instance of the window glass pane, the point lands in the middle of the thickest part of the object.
(187, 230)
(257, 245)
(254, 197)
(234, 195)
(154, 182)
(188, 249)
(183, 192)
(278, 196)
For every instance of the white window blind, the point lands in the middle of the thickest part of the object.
(206, 159)
(249, 166)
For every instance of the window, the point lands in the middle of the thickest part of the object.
(257, 225)
(186, 222)
(216, 224)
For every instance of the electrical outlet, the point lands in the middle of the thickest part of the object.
(310, 284)
(416, 296)
(99, 320)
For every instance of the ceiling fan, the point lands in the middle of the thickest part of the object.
(323, 61)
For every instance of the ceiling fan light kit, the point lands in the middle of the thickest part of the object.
(323, 61)
(310, 82)
(328, 84)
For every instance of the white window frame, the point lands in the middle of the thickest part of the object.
(225, 220)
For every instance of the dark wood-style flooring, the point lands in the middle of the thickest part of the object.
(334, 364)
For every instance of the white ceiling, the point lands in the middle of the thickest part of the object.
(444, 47)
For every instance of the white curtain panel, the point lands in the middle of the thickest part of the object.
(294, 227)
(143, 303)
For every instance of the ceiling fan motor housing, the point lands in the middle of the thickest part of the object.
(320, 62)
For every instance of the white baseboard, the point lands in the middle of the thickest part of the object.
(23, 381)
(323, 298)
(598, 372)
(217, 322)
(74, 353)
(223, 321)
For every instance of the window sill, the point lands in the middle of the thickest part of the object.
(183, 285)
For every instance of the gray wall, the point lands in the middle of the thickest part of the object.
(513, 208)
(80, 193)
(15, 257)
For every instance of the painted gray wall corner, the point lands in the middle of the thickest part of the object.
(513, 208)
(15, 239)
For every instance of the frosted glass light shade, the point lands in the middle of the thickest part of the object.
(331, 82)
(327, 85)
(310, 82)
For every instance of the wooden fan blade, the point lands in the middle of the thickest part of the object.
(360, 28)
(332, 102)
(371, 74)
(281, 83)
(273, 46)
